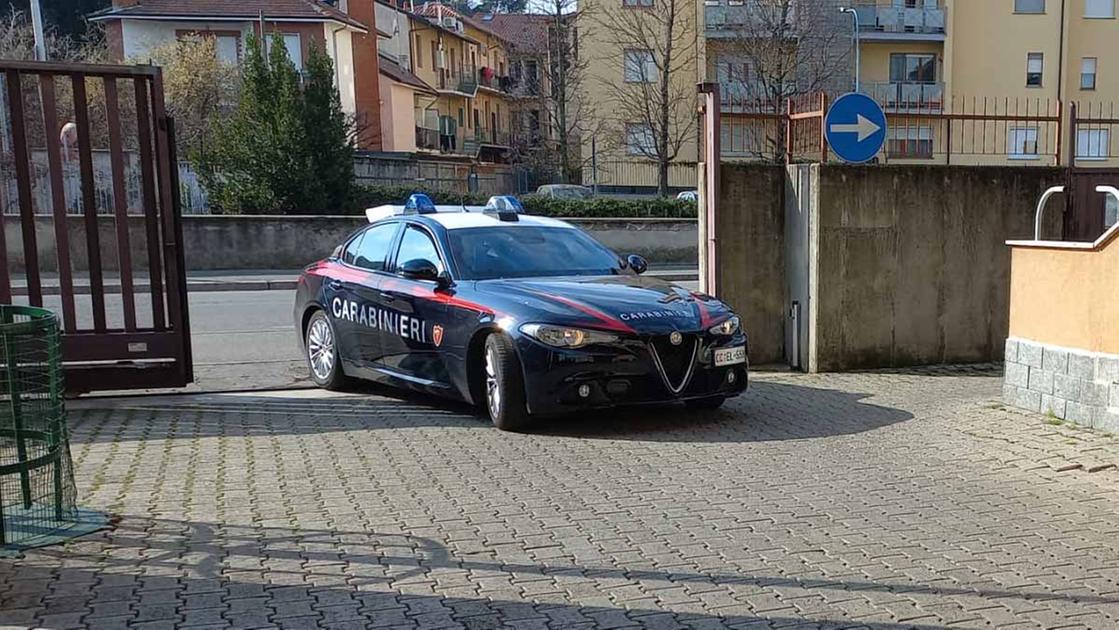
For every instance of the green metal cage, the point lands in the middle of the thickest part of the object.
(37, 493)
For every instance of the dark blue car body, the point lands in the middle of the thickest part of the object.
(428, 335)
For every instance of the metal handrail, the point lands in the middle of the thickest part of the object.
(1107, 190)
(1041, 209)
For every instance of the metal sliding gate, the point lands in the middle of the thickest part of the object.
(90, 203)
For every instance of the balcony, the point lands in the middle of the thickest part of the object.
(491, 137)
(732, 18)
(885, 21)
(526, 87)
(906, 96)
(427, 139)
(462, 81)
(488, 79)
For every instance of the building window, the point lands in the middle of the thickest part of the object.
(912, 68)
(1088, 73)
(295, 51)
(640, 67)
(1093, 144)
(419, 52)
(1035, 63)
(637, 3)
(639, 140)
(910, 142)
(1029, 6)
(1099, 8)
(1021, 143)
(228, 48)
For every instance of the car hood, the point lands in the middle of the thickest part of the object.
(624, 304)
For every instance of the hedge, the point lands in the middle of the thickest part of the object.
(599, 207)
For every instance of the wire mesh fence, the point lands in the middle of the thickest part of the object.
(37, 493)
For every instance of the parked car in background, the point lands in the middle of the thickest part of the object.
(565, 191)
(689, 195)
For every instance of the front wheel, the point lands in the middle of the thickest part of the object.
(705, 404)
(505, 388)
(321, 349)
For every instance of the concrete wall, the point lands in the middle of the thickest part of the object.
(905, 265)
(912, 262)
(290, 242)
(750, 229)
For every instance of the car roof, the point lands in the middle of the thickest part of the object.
(464, 220)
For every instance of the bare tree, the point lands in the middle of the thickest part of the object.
(775, 50)
(17, 41)
(200, 88)
(564, 72)
(653, 107)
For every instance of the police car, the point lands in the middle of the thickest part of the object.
(525, 315)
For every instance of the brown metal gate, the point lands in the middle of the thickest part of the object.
(89, 194)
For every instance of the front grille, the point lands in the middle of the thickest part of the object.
(676, 363)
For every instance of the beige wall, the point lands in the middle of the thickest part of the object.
(398, 116)
(988, 44)
(1067, 297)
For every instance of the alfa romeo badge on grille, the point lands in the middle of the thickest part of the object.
(676, 338)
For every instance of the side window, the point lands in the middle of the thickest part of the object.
(417, 244)
(373, 250)
(350, 251)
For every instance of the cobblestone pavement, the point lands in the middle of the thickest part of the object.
(874, 500)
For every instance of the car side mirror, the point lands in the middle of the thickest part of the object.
(637, 263)
(420, 269)
(443, 280)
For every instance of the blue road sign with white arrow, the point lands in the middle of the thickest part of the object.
(856, 128)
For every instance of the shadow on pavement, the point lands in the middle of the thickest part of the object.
(768, 411)
(250, 575)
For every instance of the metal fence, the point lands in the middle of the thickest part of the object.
(194, 200)
(976, 131)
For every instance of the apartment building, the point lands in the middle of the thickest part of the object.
(530, 54)
(466, 65)
(346, 30)
(625, 45)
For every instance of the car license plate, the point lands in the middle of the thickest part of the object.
(730, 356)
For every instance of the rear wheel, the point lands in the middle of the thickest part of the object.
(321, 347)
(705, 404)
(505, 388)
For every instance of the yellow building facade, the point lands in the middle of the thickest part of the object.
(466, 111)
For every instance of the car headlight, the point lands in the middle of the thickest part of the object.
(562, 337)
(727, 327)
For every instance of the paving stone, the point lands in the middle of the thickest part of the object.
(1055, 360)
(1010, 355)
(889, 500)
(1052, 405)
(1081, 366)
(1018, 374)
(1067, 387)
(1030, 354)
(1041, 381)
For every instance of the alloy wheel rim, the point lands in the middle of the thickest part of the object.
(320, 349)
(493, 388)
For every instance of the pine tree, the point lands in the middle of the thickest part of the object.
(288, 148)
(329, 135)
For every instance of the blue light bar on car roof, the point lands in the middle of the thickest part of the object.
(507, 207)
(419, 203)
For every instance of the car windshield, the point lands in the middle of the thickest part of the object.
(522, 252)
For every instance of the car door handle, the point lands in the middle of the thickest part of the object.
(335, 284)
(387, 297)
